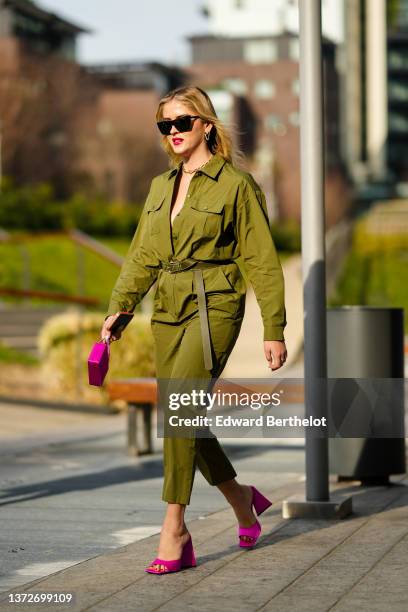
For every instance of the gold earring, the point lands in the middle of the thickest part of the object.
(207, 136)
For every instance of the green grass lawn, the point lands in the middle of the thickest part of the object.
(53, 265)
(374, 279)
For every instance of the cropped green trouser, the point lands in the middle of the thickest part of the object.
(179, 356)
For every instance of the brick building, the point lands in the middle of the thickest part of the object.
(119, 142)
(375, 83)
(263, 71)
(92, 128)
(26, 26)
(41, 89)
(87, 128)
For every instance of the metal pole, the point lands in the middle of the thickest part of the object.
(313, 240)
(316, 503)
(376, 63)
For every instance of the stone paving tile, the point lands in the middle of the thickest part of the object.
(385, 587)
(325, 583)
(280, 559)
(308, 563)
(108, 568)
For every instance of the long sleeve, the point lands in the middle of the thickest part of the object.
(261, 259)
(138, 273)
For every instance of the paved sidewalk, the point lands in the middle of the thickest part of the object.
(358, 563)
(69, 492)
(247, 358)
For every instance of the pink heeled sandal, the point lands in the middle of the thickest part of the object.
(186, 560)
(260, 503)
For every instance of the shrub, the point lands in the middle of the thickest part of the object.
(286, 235)
(30, 207)
(66, 339)
(97, 216)
(34, 208)
(374, 270)
(368, 241)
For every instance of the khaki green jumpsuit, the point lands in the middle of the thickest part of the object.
(197, 313)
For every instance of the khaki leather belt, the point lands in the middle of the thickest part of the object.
(185, 264)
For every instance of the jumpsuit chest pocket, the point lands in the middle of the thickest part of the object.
(155, 215)
(208, 216)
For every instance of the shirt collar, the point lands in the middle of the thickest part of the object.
(211, 168)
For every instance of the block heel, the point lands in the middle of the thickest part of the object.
(188, 557)
(259, 501)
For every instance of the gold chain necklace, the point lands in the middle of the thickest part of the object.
(195, 170)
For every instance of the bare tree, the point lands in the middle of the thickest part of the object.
(39, 104)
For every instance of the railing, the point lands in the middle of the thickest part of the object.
(81, 240)
(76, 236)
(96, 247)
(49, 295)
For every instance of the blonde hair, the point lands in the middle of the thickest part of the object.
(199, 102)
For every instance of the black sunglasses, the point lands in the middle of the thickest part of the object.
(182, 124)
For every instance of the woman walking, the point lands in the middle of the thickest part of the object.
(198, 218)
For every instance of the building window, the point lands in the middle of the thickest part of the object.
(260, 51)
(27, 25)
(274, 123)
(271, 121)
(398, 91)
(397, 59)
(294, 118)
(398, 123)
(264, 88)
(235, 86)
(223, 103)
(296, 87)
(294, 49)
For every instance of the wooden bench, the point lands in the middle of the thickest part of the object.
(141, 397)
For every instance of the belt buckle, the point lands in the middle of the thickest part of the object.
(175, 265)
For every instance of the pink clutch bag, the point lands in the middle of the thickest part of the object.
(98, 363)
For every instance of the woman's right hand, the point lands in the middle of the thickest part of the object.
(106, 333)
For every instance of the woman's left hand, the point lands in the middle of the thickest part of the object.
(275, 353)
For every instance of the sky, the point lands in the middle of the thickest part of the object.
(132, 30)
(153, 30)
